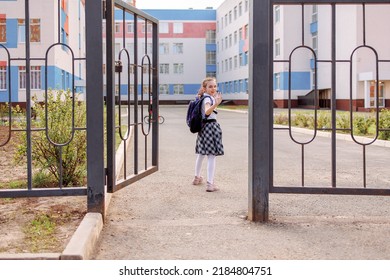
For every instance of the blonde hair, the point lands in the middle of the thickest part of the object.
(204, 84)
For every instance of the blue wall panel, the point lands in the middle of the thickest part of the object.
(12, 33)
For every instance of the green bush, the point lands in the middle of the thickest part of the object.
(384, 123)
(71, 148)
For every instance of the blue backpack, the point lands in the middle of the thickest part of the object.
(194, 114)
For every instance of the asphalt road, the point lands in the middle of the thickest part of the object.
(164, 216)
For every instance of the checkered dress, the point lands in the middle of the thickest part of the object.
(209, 140)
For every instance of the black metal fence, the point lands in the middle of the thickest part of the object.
(261, 163)
(87, 60)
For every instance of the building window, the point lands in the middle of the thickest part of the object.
(241, 59)
(178, 68)
(211, 74)
(164, 68)
(226, 65)
(246, 31)
(177, 27)
(235, 12)
(177, 48)
(3, 78)
(221, 22)
(226, 20)
(235, 61)
(164, 48)
(178, 89)
(3, 30)
(164, 89)
(277, 47)
(217, 26)
(314, 15)
(230, 64)
(314, 40)
(35, 30)
(222, 66)
(211, 57)
(230, 40)
(373, 94)
(130, 27)
(277, 13)
(235, 37)
(210, 37)
(146, 28)
(226, 42)
(230, 17)
(240, 9)
(222, 44)
(240, 34)
(149, 48)
(117, 27)
(35, 77)
(246, 58)
(163, 27)
(277, 81)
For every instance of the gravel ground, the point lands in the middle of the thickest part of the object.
(163, 216)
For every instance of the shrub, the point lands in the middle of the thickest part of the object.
(71, 149)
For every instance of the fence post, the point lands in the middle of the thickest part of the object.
(260, 110)
(94, 94)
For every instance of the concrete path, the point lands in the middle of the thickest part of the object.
(164, 216)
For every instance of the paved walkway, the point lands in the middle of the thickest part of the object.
(163, 216)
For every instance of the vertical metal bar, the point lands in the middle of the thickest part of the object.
(59, 21)
(260, 150)
(28, 94)
(95, 120)
(155, 101)
(303, 164)
(303, 25)
(364, 167)
(333, 101)
(110, 93)
(364, 24)
(136, 123)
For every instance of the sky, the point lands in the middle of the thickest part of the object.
(177, 4)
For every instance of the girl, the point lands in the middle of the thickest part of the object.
(209, 140)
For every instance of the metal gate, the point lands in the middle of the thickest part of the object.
(91, 72)
(261, 129)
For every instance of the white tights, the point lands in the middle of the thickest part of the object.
(211, 162)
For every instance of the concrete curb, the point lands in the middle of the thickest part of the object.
(82, 243)
(30, 256)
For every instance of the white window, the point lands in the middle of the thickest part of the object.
(373, 94)
(3, 30)
(35, 77)
(163, 27)
(178, 68)
(211, 74)
(222, 44)
(130, 27)
(226, 42)
(240, 9)
(230, 64)
(222, 66)
(230, 40)
(177, 27)
(3, 77)
(226, 65)
(211, 57)
(246, 31)
(240, 34)
(246, 5)
(277, 47)
(146, 28)
(314, 40)
(164, 89)
(177, 48)
(230, 17)
(221, 22)
(226, 20)
(235, 37)
(210, 37)
(178, 89)
(277, 81)
(314, 15)
(149, 48)
(164, 48)
(164, 68)
(117, 27)
(35, 30)
(235, 61)
(235, 12)
(277, 13)
(241, 59)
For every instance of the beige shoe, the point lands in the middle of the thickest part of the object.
(197, 180)
(211, 187)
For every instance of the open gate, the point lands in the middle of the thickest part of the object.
(85, 34)
(265, 49)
